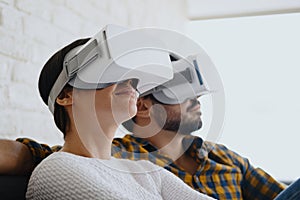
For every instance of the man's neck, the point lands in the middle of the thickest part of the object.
(169, 143)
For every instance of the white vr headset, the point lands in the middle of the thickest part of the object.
(116, 54)
(188, 82)
(113, 55)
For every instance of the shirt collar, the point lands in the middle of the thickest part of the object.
(192, 142)
(189, 142)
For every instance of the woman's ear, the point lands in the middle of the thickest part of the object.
(143, 107)
(65, 98)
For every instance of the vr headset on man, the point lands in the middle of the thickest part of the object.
(116, 54)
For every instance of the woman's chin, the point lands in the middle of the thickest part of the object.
(121, 114)
(124, 116)
(132, 112)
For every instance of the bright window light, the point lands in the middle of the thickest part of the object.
(258, 59)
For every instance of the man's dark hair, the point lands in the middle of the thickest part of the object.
(49, 75)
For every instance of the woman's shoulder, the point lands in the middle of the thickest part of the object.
(58, 157)
(63, 174)
(140, 166)
(149, 165)
(59, 163)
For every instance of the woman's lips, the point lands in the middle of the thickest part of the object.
(126, 92)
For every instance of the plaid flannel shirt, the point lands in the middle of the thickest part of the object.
(222, 173)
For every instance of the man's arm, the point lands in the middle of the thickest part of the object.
(256, 184)
(15, 158)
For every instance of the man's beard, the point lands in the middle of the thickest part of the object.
(176, 123)
(183, 126)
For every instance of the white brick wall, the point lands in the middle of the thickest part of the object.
(31, 31)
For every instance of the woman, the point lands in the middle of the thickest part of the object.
(89, 118)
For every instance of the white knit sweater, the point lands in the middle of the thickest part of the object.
(68, 176)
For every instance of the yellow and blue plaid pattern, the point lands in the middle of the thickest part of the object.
(221, 174)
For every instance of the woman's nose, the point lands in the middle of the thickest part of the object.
(133, 84)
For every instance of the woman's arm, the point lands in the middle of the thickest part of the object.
(15, 158)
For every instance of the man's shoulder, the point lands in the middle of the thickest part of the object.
(224, 155)
(216, 146)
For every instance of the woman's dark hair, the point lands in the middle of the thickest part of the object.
(48, 76)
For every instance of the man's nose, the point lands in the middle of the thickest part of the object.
(195, 100)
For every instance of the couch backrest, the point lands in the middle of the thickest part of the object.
(13, 187)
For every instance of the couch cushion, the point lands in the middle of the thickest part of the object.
(13, 187)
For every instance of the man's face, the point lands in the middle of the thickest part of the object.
(182, 118)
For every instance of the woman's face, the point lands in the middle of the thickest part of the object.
(123, 100)
(115, 103)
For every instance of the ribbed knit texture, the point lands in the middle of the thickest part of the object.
(67, 176)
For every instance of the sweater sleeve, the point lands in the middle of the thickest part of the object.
(174, 188)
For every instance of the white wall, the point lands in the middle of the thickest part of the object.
(258, 60)
(31, 31)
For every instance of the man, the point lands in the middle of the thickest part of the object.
(162, 135)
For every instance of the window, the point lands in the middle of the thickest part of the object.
(258, 59)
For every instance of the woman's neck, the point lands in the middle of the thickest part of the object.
(90, 142)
